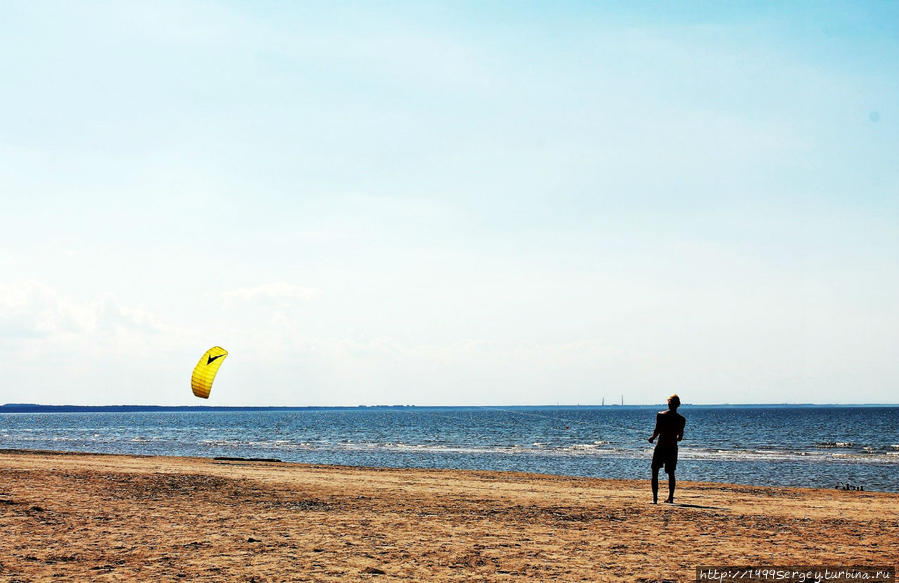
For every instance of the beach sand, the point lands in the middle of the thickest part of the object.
(81, 517)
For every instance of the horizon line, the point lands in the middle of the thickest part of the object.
(21, 406)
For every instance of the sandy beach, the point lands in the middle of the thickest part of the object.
(80, 517)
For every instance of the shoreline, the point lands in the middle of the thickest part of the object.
(125, 517)
(662, 477)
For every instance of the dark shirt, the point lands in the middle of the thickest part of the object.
(669, 428)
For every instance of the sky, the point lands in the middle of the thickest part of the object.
(462, 203)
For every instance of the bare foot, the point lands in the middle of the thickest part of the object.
(669, 500)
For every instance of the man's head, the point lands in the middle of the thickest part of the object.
(673, 402)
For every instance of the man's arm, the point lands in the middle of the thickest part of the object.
(655, 432)
(680, 434)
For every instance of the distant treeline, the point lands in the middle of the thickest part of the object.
(33, 408)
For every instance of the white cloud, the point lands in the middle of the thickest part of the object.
(57, 348)
(31, 309)
(277, 294)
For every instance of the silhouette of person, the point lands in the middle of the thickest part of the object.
(669, 429)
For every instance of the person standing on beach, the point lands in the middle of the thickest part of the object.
(669, 429)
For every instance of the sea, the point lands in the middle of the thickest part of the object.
(806, 446)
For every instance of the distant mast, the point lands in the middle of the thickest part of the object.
(603, 401)
(622, 400)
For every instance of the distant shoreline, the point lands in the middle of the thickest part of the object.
(36, 408)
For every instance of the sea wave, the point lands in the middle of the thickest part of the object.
(866, 455)
(596, 449)
(834, 444)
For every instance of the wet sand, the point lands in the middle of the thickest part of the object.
(80, 517)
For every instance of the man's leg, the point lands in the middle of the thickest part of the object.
(671, 484)
(655, 485)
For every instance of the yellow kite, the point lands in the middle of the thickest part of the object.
(204, 372)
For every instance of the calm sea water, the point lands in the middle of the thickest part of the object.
(786, 446)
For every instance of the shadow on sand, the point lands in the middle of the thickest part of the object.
(682, 505)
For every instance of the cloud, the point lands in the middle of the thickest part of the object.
(276, 295)
(31, 310)
(110, 315)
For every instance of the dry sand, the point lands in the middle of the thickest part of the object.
(78, 517)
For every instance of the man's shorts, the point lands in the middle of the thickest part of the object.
(665, 455)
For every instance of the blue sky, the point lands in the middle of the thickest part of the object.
(460, 203)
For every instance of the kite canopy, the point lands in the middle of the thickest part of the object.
(204, 372)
